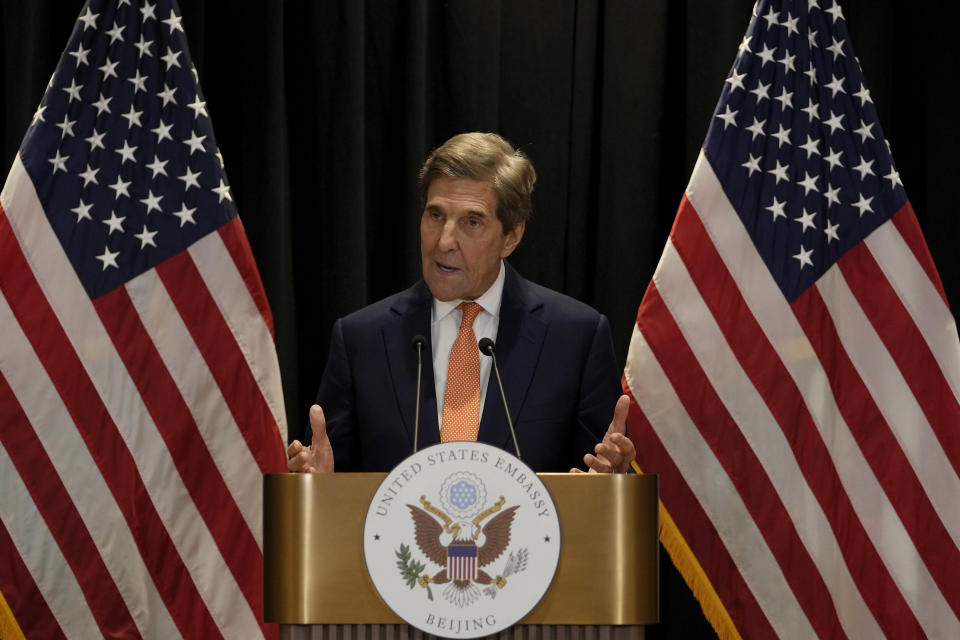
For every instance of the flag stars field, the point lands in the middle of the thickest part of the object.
(816, 167)
(163, 101)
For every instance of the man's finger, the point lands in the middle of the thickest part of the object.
(619, 423)
(609, 456)
(620, 445)
(295, 447)
(318, 424)
(297, 463)
(591, 462)
(624, 446)
(306, 461)
(608, 453)
(597, 464)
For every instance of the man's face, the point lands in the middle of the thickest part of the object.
(461, 238)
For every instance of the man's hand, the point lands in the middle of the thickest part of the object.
(615, 452)
(318, 457)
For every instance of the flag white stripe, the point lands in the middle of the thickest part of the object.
(778, 322)
(41, 555)
(717, 496)
(893, 396)
(201, 394)
(766, 439)
(246, 323)
(93, 345)
(921, 299)
(81, 478)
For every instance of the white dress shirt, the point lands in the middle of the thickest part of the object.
(445, 326)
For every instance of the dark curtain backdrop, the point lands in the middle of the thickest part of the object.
(324, 111)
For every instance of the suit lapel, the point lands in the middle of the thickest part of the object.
(519, 339)
(412, 316)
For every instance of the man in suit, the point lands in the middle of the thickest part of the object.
(555, 354)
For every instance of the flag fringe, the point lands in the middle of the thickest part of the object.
(9, 629)
(693, 574)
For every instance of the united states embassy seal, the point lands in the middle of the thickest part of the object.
(461, 540)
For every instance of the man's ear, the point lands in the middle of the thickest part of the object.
(513, 238)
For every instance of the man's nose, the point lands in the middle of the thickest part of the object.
(448, 236)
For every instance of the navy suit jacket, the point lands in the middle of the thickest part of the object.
(555, 356)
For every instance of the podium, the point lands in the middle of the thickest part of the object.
(316, 584)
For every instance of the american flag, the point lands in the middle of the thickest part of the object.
(140, 398)
(795, 368)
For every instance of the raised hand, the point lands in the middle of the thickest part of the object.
(615, 452)
(316, 458)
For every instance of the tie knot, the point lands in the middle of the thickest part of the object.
(470, 311)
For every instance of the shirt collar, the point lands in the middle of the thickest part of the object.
(489, 301)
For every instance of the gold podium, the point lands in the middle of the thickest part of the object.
(316, 585)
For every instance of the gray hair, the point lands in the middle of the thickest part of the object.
(488, 158)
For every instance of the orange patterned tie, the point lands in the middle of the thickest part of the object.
(461, 402)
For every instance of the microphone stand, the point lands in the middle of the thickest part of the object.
(417, 344)
(487, 348)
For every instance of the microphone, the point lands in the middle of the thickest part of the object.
(417, 343)
(487, 348)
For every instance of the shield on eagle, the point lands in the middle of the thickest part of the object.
(462, 561)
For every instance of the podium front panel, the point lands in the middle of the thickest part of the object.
(314, 570)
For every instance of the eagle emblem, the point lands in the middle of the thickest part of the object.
(463, 539)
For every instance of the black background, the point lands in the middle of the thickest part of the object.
(324, 111)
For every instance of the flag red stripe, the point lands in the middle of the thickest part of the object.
(770, 377)
(906, 345)
(905, 220)
(22, 595)
(17, 585)
(62, 518)
(697, 528)
(104, 442)
(226, 362)
(237, 245)
(880, 447)
(176, 425)
(734, 453)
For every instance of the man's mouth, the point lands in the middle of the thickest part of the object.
(445, 269)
